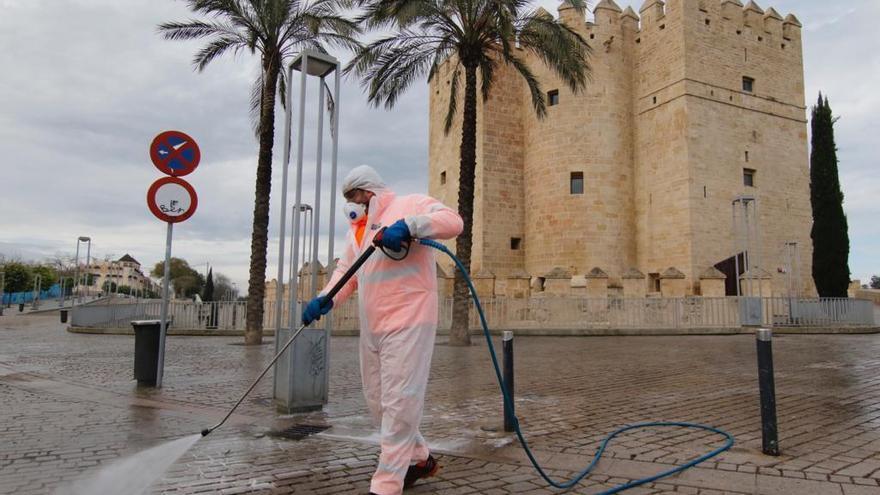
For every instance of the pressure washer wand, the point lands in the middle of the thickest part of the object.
(336, 288)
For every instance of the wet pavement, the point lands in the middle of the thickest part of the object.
(68, 404)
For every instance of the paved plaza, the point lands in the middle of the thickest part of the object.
(68, 404)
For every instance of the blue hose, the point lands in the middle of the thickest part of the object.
(507, 401)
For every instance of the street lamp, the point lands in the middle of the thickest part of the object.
(295, 388)
(88, 240)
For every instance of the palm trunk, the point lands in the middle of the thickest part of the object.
(253, 333)
(459, 334)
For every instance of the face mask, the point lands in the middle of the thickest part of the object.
(354, 211)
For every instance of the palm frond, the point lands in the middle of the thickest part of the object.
(561, 48)
(538, 101)
(453, 99)
(256, 103)
(193, 30)
(215, 48)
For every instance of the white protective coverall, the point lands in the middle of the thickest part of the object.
(398, 304)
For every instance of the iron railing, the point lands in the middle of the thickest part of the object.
(526, 313)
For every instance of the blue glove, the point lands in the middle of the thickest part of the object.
(317, 307)
(395, 236)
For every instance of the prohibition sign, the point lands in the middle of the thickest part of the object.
(172, 199)
(175, 153)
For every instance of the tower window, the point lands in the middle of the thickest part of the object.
(553, 97)
(749, 177)
(748, 84)
(747, 156)
(442, 177)
(515, 243)
(577, 183)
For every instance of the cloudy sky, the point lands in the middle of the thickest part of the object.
(87, 84)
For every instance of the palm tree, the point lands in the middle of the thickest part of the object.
(474, 36)
(277, 30)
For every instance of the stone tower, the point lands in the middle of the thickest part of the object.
(690, 104)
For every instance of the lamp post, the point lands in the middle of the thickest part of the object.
(301, 383)
(82, 238)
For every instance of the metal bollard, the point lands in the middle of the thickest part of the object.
(509, 412)
(769, 439)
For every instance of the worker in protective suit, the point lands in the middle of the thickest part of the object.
(398, 305)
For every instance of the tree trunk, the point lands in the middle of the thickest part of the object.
(459, 334)
(253, 333)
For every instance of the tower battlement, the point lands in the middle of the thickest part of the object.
(766, 24)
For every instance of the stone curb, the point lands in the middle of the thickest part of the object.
(530, 332)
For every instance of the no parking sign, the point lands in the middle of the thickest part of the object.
(175, 153)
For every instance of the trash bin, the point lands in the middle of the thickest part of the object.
(20, 307)
(63, 316)
(146, 350)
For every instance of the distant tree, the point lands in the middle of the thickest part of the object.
(830, 232)
(186, 281)
(18, 277)
(875, 282)
(223, 287)
(48, 274)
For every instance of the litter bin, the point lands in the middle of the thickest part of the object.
(63, 316)
(20, 307)
(146, 350)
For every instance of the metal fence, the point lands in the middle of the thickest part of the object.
(226, 315)
(532, 313)
(28, 296)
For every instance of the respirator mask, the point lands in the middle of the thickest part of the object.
(355, 212)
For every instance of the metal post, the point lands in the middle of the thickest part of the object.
(165, 298)
(736, 247)
(38, 287)
(88, 262)
(748, 252)
(509, 413)
(279, 281)
(76, 275)
(299, 163)
(334, 135)
(769, 440)
(316, 214)
(2, 287)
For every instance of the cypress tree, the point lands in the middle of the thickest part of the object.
(208, 294)
(829, 233)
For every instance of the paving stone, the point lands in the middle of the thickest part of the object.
(70, 405)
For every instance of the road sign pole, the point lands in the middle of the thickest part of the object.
(165, 298)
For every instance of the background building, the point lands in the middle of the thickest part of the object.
(126, 271)
(630, 183)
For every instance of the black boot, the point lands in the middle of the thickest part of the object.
(424, 469)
